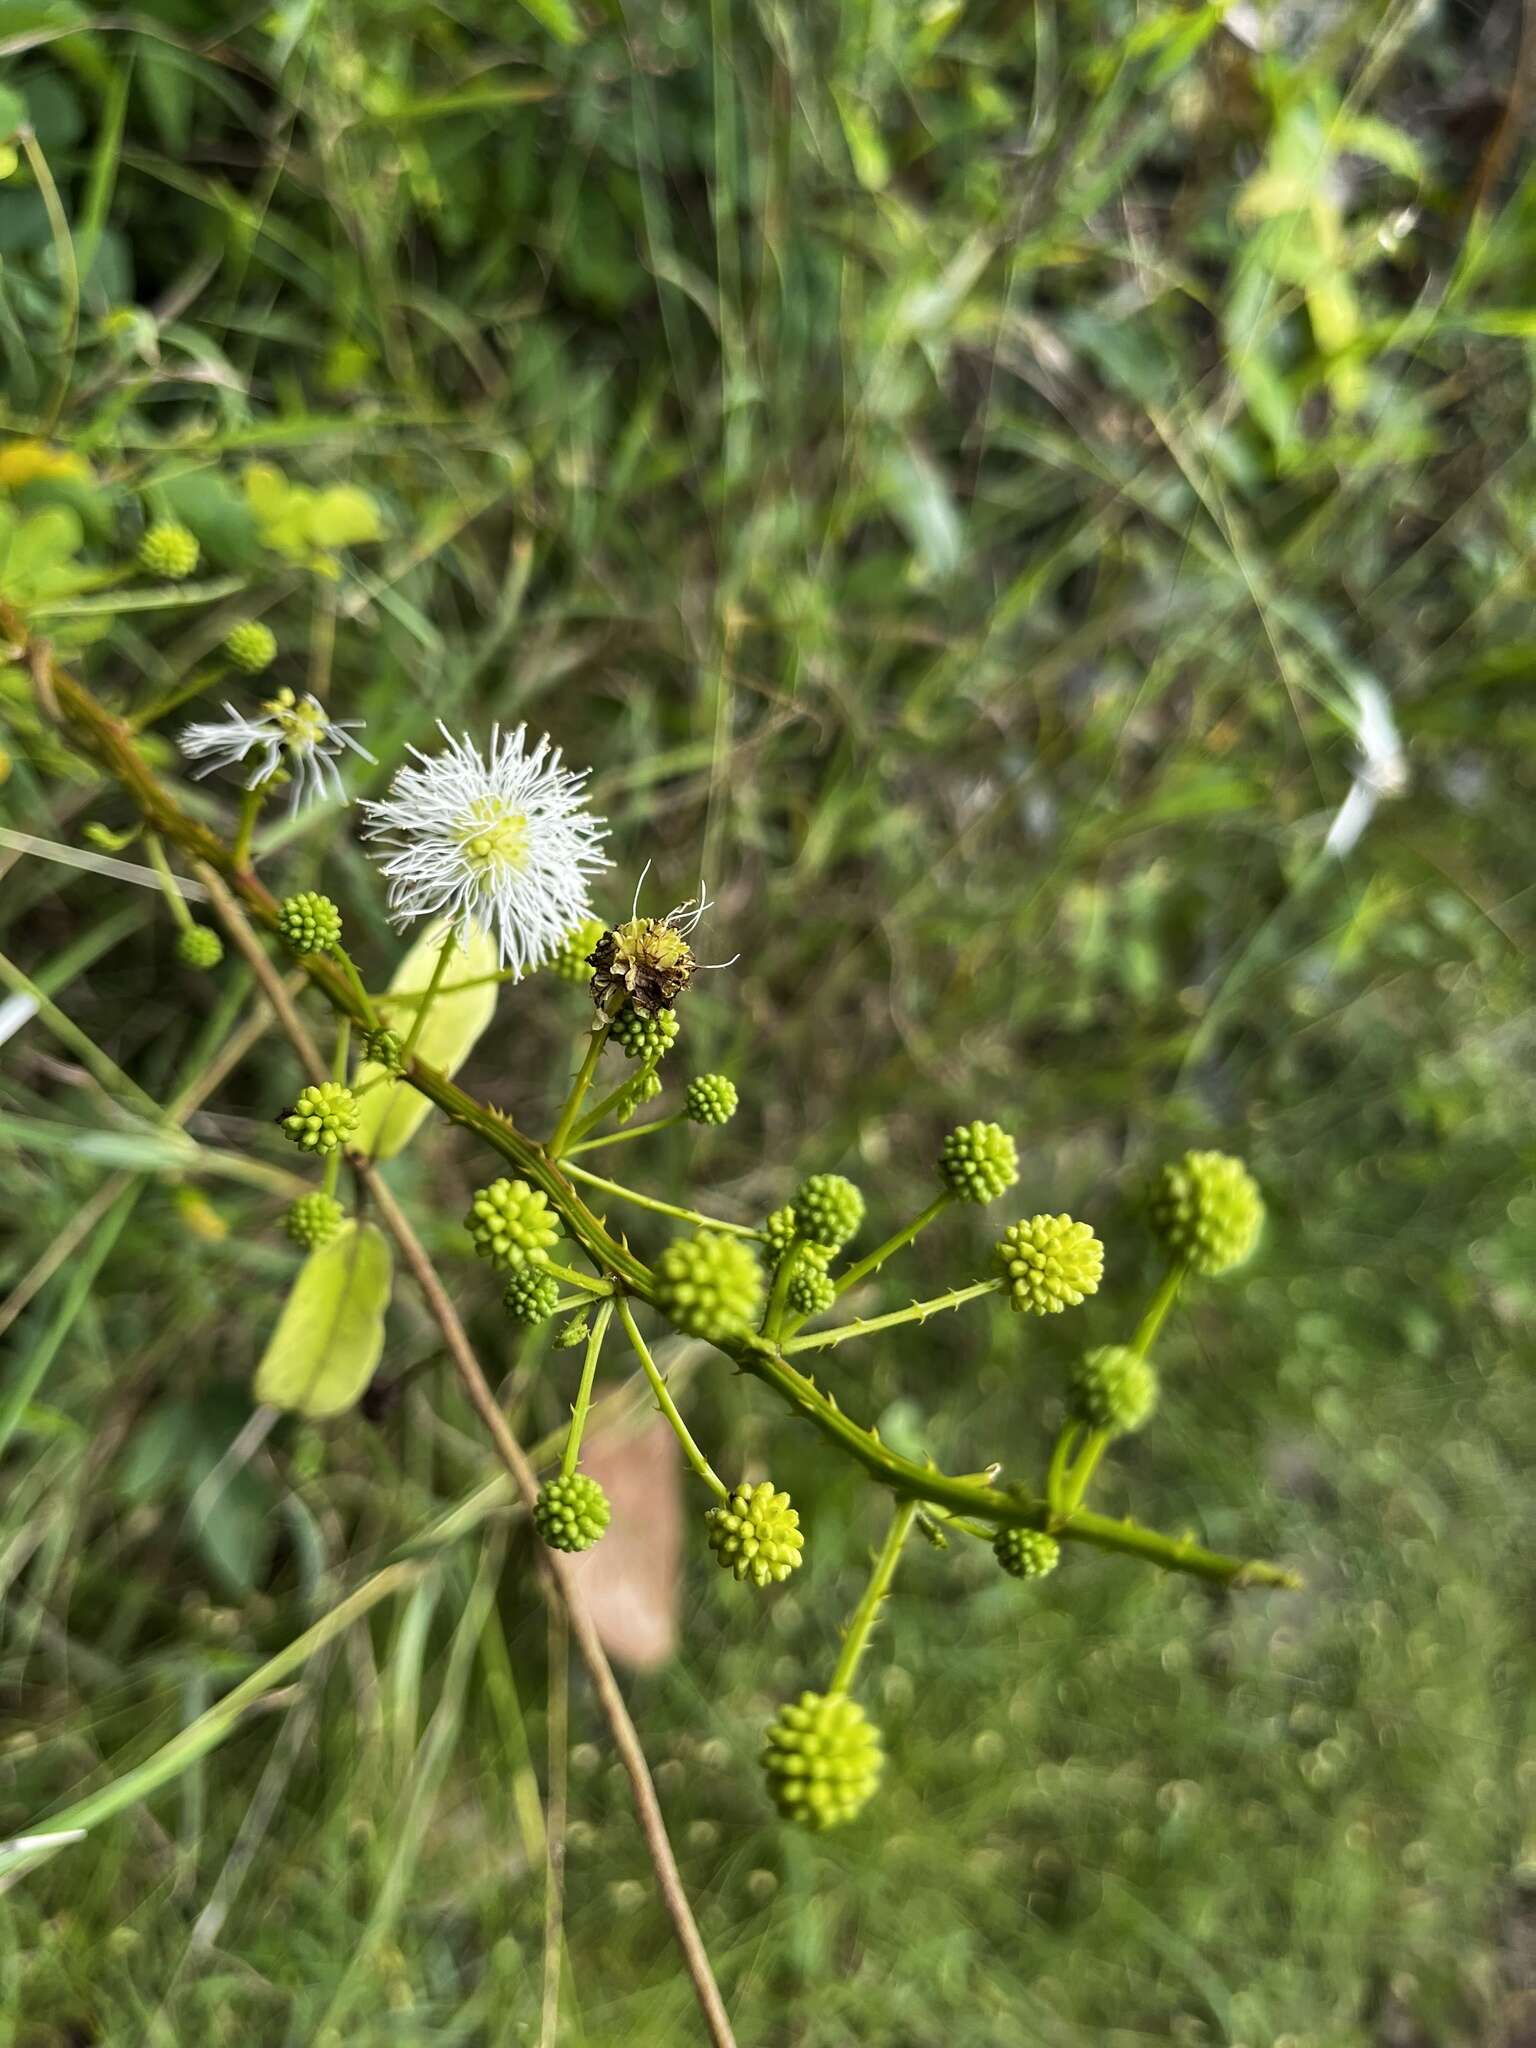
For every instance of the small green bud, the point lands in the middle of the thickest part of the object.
(308, 922)
(782, 1229)
(1026, 1553)
(383, 1047)
(575, 1330)
(1113, 1388)
(1207, 1209)
(1049, 1263)
(251, 646)
(755, 1533)
(644, 1088)
(313, 1220)
(323, 1117)
(979, 1162)
(828, 1210)
(168, 549)
(710, 1099)
(512, 1224)
(571, 1513)
(810, 1291)
(645, 1037)
(199, 946)
(571, 959)
(529, 1295)
(709, 1285)
(823, 1758)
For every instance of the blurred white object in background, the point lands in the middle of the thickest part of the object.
(1382, 771)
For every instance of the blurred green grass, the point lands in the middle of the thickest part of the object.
(952, 472)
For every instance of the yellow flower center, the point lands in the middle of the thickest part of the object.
(302, 724)
(491, 838)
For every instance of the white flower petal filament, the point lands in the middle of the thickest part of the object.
(291, 730)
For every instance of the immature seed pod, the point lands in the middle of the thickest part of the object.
(571, 1513)
(200, 946)
(755, 1533)
(512, 1224)
(1049, 1263)
(324, 1117)
(709, 1285)
(979, 1162)
(1207, 1210)
(823, 1758)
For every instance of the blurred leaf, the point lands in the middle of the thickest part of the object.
(330, 1335)
(390, 1114)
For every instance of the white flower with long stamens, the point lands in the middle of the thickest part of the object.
(500, 842)
(296, 733)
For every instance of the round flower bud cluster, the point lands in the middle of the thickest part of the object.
(1207, 1209)
(711, 1099)
(644, 1088)
(308, 922)
(755, 1533)
(828, 1210)
(979, 1162)
(1026, 1553)
(780, 1232)
(823, 1758)
(324, 1117)
(709, 1285)
(1049, 1263)
(313, 1220)
(571, 1513)
(383, 1047)
(1113, 1388)
(251, 646)
(199, 946)
(530, 1296)
(571, 958)
(643, 1037)
(168, 549)
(512, 1224)
(811, 1290)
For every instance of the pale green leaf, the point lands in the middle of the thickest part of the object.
(390, 1114)
(330, 1334)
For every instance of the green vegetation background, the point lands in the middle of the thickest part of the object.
(956, 471)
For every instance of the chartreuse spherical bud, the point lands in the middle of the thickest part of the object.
(779, 1232)
(512, 1224)
(199, 946)
(645, 1037)
(383, 1047)
(709, 1285)
(313, 1220)
(811, 1290)
(1026, 1553)
(828, 1210)
(168, 549)
(755, 1533)
(308, 922)
(644, 1088)
(529, 1295)
(823, 1758)
(571, 958)
(710, 1099)
(1113, 1388)
(979, 1162)
(251, 646)
(1207, 1209)
(572, 1512)
(324, 1117)
(1049, 1263)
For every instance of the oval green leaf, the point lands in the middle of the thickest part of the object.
(330, 1334)
(390, 1115)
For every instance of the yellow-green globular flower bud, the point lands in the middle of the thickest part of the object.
(200, 946)
(823, 1758)
(308, 922)
(644, 1088)
(383, 1047)
(313, 1220)
(1207, 1209)
(828, 1210)
(710, 1099)
(755, 1533)
(979, 1162)
(781, 1230)
(709, 1285)
(251, 646)
(168, 549)
(810, 1291)
(1112, 1388)
(323, 1117)
(512, 1224)
(1049, 1263)
(643, 1037)
(571, 1513)
(571, 959)
(530, 1296)
(1026, 1553)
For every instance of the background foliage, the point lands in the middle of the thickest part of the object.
(958, 472)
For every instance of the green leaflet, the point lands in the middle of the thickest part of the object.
(331, 1331)
(390, 1114)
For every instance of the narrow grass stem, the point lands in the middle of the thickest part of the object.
(583, 1401)
(668, 1406)
(856, 1641)
(918, 1312)
(874, 1260)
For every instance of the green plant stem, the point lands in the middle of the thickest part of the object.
(594, 1288)
(778, 1294)
(1157, 1309)
(918, 1312)
(245, 829)
(169, 885)
(200, 679)
(332, 1175)
(597, 1039)
(856, 1641)
(572, 1449)
(657, 1206)
(613, 1099)
(668, 1407)
(449, 947)
(355, 983)
(1061, 1456)
(663, 1123)
(1075, 1489)
(877, 1258)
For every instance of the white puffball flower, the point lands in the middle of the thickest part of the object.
(500, 842)
(296, 733)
